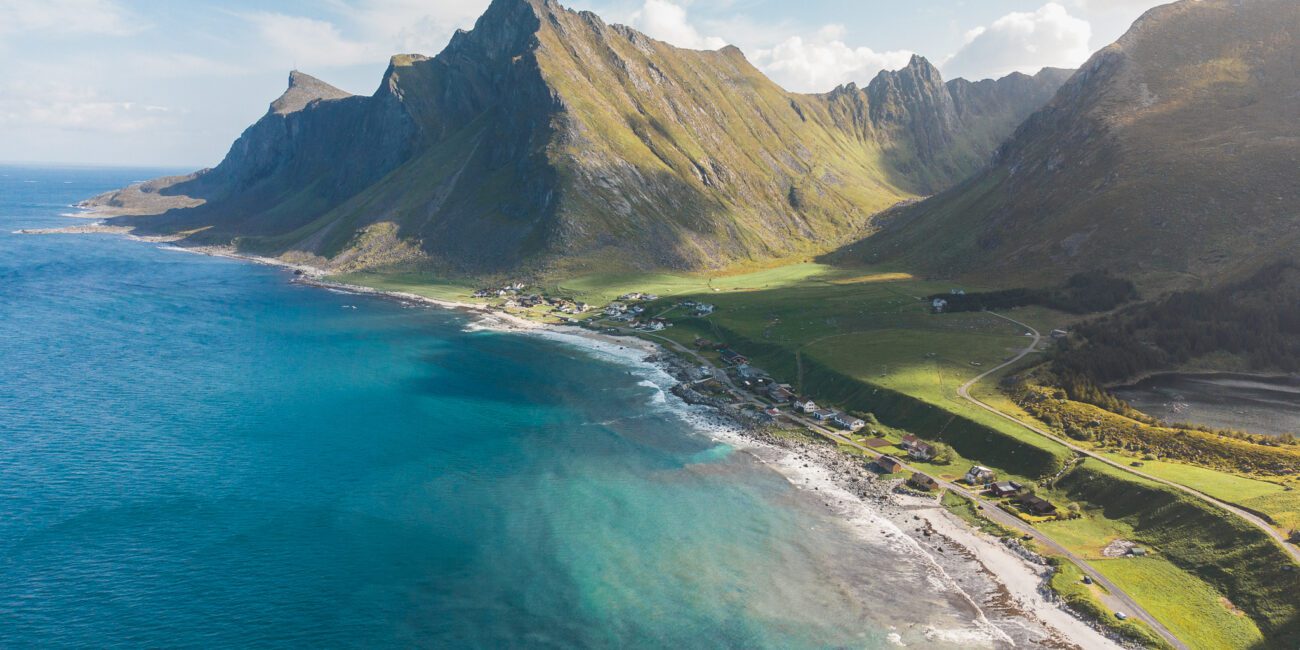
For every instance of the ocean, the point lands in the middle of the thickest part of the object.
(196, 452)
(1255, 404)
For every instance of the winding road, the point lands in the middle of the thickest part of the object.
(964, 393)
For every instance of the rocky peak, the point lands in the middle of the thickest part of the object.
(304, 89)
(506, 29)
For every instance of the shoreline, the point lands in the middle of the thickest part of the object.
(1132, 384)
(998, 584)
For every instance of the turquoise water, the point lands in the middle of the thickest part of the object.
(195, 452)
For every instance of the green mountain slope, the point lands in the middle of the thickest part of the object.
(546, 139)
(1171, 156)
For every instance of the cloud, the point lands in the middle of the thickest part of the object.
(823, 61)
(1022, 41)
(667, 22)
(308, 42)
(418, 26)
(68, 108)
(376, 29)
(1125, 6)
(102, 17)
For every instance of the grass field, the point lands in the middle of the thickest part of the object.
(1280, 502)
(1068, 583)
(867, 342)
(1194, 612)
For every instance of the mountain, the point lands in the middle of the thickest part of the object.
(1172, 156)
(545, 138)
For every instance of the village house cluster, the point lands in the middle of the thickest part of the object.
(1024, 498)
(623, 311)
(517, 298)
(979, 476)
(512, 289)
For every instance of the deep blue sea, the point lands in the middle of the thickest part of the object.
(196, 452)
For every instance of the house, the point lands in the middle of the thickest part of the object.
(889, 465)
(849, 422)
(823, 415)
(1060, 334)
(916, 448)
(804, 405)
(1036, 505)
(921, 451)
(1004, 488)
(922, 482)
(772, 411)
(780, 393)
(747, 371)
(615, 308)
(939, 305)
(979, 475)
(735, 358)
(703, 309)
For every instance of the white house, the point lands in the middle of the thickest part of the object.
(939, 304)
(849, 422)
(979, 475)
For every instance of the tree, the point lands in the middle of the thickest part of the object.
(943, 454)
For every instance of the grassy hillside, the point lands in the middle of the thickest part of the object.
(1169, 157)
(866, 342)
(546, 141)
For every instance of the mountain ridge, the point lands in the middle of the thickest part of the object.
(547, 139)
(1169, 156)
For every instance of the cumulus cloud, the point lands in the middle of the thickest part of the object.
(375, 30)
(102, 17)
(668, 22)
(1023, 41)
(822, 61)
(58, 106)
(418, 26)
(309, 42)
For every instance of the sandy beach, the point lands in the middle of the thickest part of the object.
(1004, 590)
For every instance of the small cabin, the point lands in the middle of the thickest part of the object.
(923, 482)
(889, 465)
(1037, 505)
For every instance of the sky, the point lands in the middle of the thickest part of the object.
(174, 82)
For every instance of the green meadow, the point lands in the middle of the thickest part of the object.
(867, 341)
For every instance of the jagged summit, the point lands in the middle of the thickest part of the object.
(545, 139)
(304, 89)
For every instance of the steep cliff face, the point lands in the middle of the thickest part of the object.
(1171, 155)
(545, 138)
